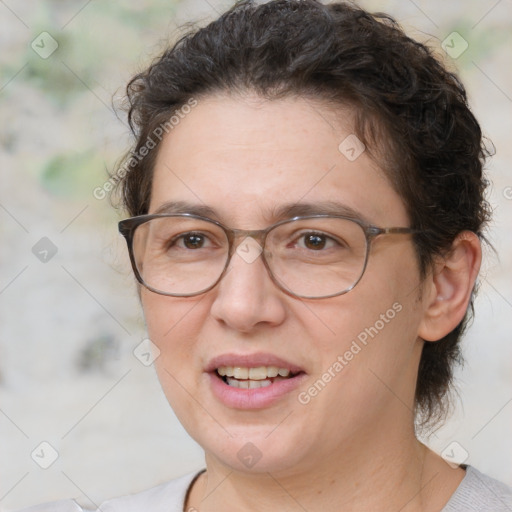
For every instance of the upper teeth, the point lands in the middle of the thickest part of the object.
(259, 373)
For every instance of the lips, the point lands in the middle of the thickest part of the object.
(251, 361)
(249, 381)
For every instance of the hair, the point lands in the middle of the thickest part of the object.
(409, 109)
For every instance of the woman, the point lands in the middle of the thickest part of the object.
(306, 205)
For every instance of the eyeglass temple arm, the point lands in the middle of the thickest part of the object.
(374, 231)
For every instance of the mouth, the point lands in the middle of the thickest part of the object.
(253, 377)
(253, 381)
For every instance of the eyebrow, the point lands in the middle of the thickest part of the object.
(318, 208)
(275, 214)
(186, 207)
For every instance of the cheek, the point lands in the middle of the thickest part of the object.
(374, 342)
(167, 316)
(392, 312)
(173, 325)
(369, 362)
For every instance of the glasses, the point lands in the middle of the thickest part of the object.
(311, 257)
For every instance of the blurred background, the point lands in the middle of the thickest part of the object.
(81, 412)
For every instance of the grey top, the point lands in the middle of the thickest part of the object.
(480, 493)
(476, 493)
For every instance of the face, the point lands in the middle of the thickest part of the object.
(353, 358)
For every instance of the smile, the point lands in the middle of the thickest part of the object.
(252, 378)
(253, 381)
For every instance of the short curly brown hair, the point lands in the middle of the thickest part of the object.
(409, 109)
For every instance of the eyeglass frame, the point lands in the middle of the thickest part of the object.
(128, 226)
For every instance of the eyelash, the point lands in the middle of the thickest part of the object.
(295, 239)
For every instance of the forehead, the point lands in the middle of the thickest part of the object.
(245, 157)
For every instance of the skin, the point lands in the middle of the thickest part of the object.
(353, 446)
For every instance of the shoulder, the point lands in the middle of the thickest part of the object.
(167, 497)
(480, 493)
(56, 506)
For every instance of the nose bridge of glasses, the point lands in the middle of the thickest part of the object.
(237, 236)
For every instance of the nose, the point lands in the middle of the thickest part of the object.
(246, 297)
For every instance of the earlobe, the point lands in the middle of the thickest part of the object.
(450, 287)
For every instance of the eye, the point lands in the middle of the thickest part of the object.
(315, 241)
(190, 241)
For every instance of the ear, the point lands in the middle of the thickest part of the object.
(449, 287)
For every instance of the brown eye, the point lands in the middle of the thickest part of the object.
(193, 241)
(314, 241)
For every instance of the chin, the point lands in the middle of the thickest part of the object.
(252, 450)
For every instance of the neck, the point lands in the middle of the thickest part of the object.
(393, 472)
